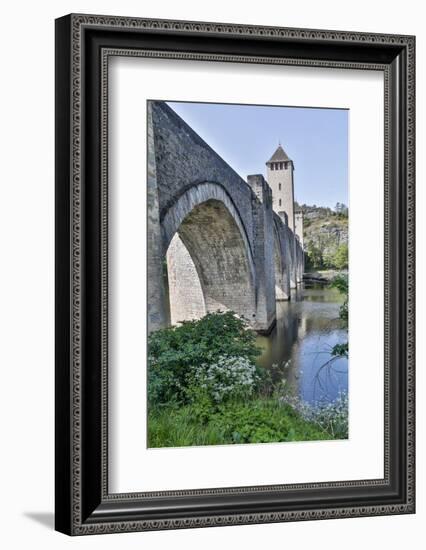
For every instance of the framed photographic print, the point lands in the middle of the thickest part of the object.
(234, 274)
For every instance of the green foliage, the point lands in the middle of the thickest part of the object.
(341, 210)
(324, 231)
(334, 417)
(314, 257)
(330, 417)
(205, 389)
(176, 353)
(227, 378)
(341, 282)
(328, 260)
(319, 256)
(341, 257)
(253, 421)
(180, 427)
(340, 350)
(265, 421)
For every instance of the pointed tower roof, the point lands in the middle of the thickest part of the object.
(279, 156)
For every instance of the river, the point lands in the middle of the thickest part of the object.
(307, 328)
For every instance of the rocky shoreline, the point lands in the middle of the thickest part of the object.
(325, 276)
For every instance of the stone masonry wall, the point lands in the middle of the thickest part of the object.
(156, 293)
(281, 183)
(183, 160)
(185, 292)
(298, 220)
(263, 252)
(226, 225)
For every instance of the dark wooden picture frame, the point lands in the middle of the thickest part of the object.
(83, 503)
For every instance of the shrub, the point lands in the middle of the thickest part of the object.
(265, 421)
(314, 257)
(331, 417)
(341, 257)
(180, 427)
(175, 354)
(228, 378)
(254, 421)
(341, 283)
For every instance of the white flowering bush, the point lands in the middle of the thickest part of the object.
(176, 353)
(227, 378)
(332, 417)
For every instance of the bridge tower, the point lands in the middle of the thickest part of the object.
(280, 170)
(298, 222)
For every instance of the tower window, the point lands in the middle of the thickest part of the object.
(285, 165)
(272, 166)
(279, 202)
(279, 187)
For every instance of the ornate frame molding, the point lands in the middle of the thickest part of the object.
(85, 508)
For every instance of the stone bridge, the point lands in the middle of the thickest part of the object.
(223, 245)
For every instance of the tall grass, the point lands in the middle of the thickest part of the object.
(257, 420)
(171, 427)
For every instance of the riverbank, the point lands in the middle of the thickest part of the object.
(255, 421)
(322, 275)
(207, 386)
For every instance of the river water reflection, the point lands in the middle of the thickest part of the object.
(307, 328)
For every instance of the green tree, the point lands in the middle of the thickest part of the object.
(314, 256)
(341, 257)
(328, 260)
(341, 210)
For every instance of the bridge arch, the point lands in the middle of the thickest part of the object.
(207, 250)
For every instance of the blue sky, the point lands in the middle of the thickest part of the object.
(246, 136)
